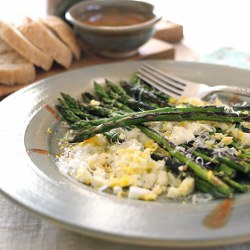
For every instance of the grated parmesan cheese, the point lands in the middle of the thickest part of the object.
(127, 168)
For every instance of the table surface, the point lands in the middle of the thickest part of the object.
(208, 25)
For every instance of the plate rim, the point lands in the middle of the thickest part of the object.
(119, 238)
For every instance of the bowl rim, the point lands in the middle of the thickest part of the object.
(143, 25)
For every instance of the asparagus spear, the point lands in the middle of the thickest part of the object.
(236, 163)
(69, 116)
(192, 164)
(139, 94)
(69, 103)
(128, 120)
(206, 187)
(120, 94)
(225, 172)
(223, 168)
(74, 111)
(237, 186)
(123, 106)
(233, 162)
(219, 167)
(88, 97)
(198, 165)
(101, 93)
(170, 163)
(136, 81)
(95, 110)
(202, 173)
(209, 113)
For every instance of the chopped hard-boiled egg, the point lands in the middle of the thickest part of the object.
(94, 103)
(127, 167)
(141, 193)
(120, 166)
(185, 188)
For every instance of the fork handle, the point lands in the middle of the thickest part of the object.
(233, 89)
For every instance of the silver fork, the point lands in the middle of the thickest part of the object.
(177, 87)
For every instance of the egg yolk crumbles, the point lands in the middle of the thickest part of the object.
(126, 167)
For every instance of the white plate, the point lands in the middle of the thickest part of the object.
(30, 177)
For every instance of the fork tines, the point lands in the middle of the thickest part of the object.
(161, 80)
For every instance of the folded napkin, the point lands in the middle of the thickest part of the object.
(229, 56)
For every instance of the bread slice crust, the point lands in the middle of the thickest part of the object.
(14, 69)
(64, 32)
(10, 34)
(38, 34)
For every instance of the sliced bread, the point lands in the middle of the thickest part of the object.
(43, 38)
(64, 32)
(14, 69)
(14, 38)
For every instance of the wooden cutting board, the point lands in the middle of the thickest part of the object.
(159, 47)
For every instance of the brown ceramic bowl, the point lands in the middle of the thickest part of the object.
(113, 28)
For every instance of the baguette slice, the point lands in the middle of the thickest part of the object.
(14, 69)
(23, 46)
(64, 32)
(38, 34)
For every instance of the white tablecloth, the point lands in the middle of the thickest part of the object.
(21, 230)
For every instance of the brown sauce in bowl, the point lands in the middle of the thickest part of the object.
(114, 17)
